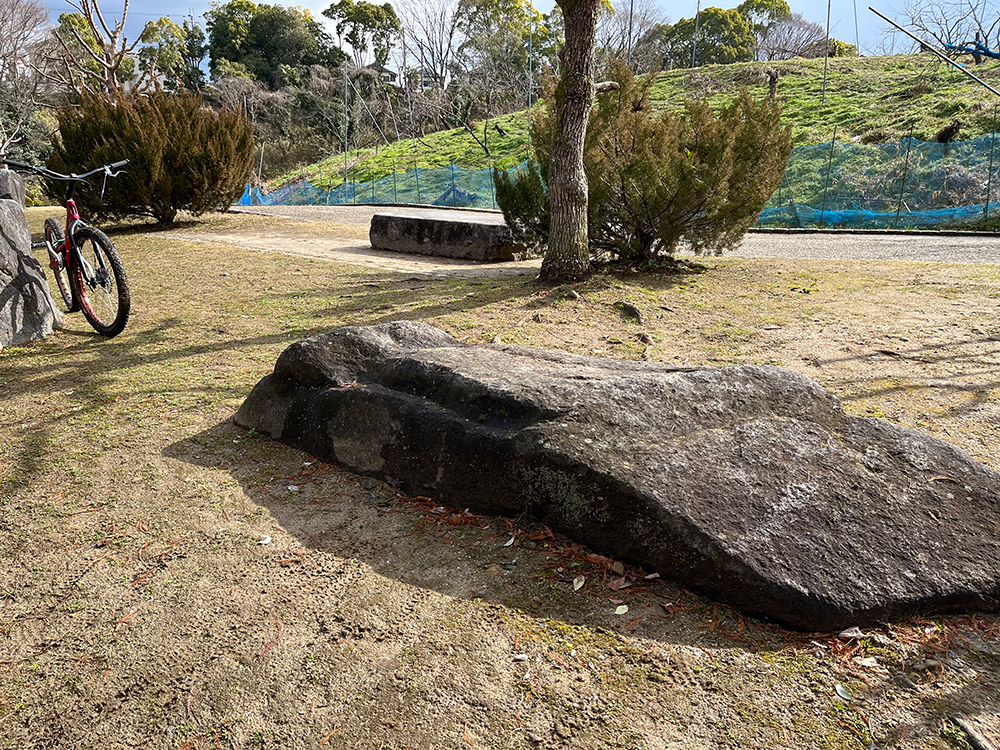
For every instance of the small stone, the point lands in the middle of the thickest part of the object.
(883, 640)
(368, 483)
(905, 682)
(925, 665)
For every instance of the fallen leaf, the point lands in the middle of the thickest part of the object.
(620, 583)
(851, 633)
(618, 568)
(578, 582)
(509, 542)
(652, 576)
(621, 609)
(843, 692)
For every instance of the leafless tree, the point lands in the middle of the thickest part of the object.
(91, 58)
(620, 28)
(23, 25)
(790, 37)
(430, 32)
(954, 21)
(23, 33)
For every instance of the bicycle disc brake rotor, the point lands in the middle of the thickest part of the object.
(103, 279)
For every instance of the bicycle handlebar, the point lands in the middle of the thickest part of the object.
(107, 168)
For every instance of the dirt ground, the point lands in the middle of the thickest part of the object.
(170, 581)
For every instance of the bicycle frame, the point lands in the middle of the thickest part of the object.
(68, 253)
(87, 268)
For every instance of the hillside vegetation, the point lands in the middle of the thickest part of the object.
(868, 99)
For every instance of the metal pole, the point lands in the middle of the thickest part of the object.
(345, 132)
(902, 182)
(826, 52)
(260, 169)
(857, 37)
(989, 176)
(829, 166)
(413, 127)
(628, 57)
(694, 39)
(531, 52)
(493, 192)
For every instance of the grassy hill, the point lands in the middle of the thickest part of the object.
(868, 100)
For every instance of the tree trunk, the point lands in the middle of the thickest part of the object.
(568, 254)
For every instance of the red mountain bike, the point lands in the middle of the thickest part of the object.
(88, 271)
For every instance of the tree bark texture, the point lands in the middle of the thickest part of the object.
(568, 254)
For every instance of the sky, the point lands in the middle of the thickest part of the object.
(869, 29)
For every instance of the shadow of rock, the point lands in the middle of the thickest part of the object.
(748, 483)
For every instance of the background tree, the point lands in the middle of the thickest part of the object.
(431, 34)
(620, 29)
(954, 21)
(23, 36)
(763, 16)
(175, 53)
(724, 36)
(228, 27)
(268, 43)
(493, 58)
(366, 27)
(790, 37)
(93, 56)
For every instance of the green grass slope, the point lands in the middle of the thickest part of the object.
(868, 100)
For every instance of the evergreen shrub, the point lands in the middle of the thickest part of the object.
(656, 179)
(184, 155)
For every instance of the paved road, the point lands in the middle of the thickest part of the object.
(916, 246)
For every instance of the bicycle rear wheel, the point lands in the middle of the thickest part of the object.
(54, 241)
(101, 284)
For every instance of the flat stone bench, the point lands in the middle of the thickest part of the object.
(471, 235)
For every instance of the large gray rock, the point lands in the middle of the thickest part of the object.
(748, 483)
(470, 235)
(27, 311)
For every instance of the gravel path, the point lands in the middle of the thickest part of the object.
(935, 247)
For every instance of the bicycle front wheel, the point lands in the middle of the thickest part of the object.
(100, 282)
(54, 241)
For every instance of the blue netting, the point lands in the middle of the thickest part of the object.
(445, 186)
(906, 184)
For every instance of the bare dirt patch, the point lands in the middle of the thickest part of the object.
(169, 581)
